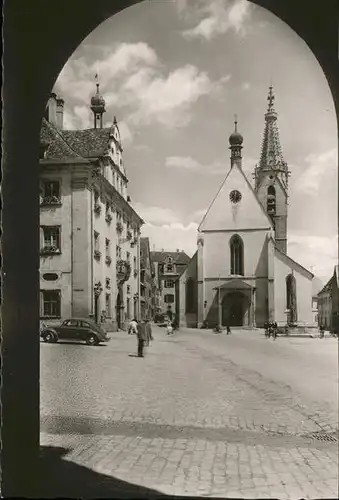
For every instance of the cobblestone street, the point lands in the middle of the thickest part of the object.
(201, 414)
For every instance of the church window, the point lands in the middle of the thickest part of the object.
(237, 255)
(271, 205)
(291, 299)
(235, 196)
(190, 296)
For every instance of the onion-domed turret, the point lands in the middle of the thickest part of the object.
(236, 140)
(98, 106)
(97, 100)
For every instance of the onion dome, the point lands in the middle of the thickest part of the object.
(97, 101)
(236, 139)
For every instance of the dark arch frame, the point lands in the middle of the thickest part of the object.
(236, 256)
(38, 41)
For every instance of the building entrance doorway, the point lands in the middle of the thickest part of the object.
(119, 308)
(233, 309)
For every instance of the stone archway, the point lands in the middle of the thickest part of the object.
(38, 42)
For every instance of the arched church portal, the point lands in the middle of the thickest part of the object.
(235, 309)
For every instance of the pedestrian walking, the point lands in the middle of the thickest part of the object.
(142, 337)
(148, 329)
(133, 327)
(228, 329)
(169, 328)
(322, 331)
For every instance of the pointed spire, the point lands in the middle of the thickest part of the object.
(270, 99)
(271, 152)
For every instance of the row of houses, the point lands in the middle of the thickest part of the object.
(328, 303)
(93, 261)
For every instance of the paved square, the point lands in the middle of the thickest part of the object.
(202, 414)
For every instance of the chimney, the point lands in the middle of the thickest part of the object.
(52, 109)
(60, 113)
(162, 250)
(178, 250)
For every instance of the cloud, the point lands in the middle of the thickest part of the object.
(318, 169)
(133, 79)
(166, 229)
(217, 167)
(156, 215)
(172, 236)
(165, 100)
(218, 17)
(246, 86)
(319, 254)
(190, 164)
(80, 118)
(77, 76)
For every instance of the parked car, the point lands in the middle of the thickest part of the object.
(75, 329)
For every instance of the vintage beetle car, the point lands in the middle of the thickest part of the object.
(75, 329)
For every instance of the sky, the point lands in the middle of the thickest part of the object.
(175, 73)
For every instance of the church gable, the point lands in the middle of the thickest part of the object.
(235, 207)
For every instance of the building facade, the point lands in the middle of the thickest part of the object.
(89, 232)
(244, 276)
(148, 288)
(168, 266)
(328, 303)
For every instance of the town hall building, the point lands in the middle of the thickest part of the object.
(241, 274)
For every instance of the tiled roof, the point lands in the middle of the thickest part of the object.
(89, 143)
(57, 146)
(178, 257)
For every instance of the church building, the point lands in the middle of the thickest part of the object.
(241, 274)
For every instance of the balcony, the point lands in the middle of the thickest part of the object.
(108, 260)
(108, 218)
(97, 209)
(50, 250)
(119, 227)
(48, 201)
(97, 254)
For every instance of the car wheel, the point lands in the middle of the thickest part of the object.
(49, 337)
(92, 340)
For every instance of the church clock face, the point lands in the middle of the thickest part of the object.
(235, 196)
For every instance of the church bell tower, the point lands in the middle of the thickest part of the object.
(271, 176)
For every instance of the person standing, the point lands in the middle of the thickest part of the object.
(169, 328)
(228, 329)
(322, 331)
(148, 329)
(142, 337)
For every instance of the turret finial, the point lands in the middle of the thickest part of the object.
(235, 123)
(270, 99)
